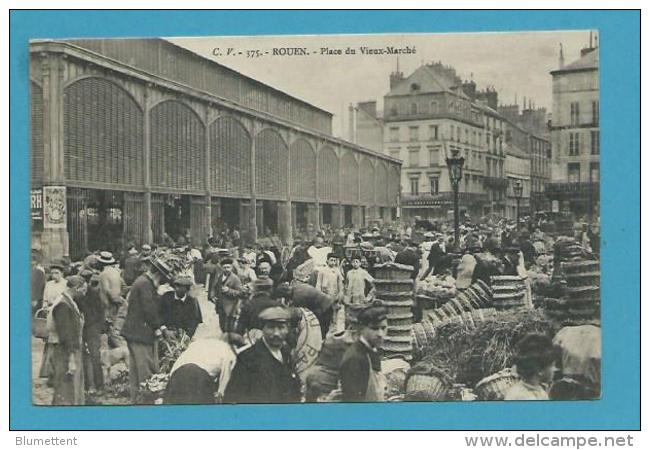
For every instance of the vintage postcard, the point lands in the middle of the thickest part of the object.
(310, 219)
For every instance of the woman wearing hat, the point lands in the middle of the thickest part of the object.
(53, 290)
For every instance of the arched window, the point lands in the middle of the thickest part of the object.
(414, 108)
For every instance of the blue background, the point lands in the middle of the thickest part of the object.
(620, 203)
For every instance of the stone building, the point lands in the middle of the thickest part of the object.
(575, 135)
(133, 140)
(428, 115)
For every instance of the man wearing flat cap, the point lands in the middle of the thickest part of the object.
(360, 371)
(142, 326)
(263, 373)
(178, 309)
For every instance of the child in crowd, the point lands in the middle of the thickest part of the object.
(535, 365)
(356, 280)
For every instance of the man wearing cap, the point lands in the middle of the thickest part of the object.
(225, 294)
(110, 292)
(65, 325)
(143, 325)
(92, 309)
(360, 371)
(263, 373)
(409, 257)
(178, 309)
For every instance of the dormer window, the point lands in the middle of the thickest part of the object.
(415, 87)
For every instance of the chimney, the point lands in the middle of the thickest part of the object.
(561, 57)
(351, 122)
(396, 77)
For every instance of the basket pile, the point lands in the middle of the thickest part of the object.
(468, 306)
(581, 300)
(395, 290)
(508, 292)
(426, 382)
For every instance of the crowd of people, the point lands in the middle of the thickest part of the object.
(133, 302)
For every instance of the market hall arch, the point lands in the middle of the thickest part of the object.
(103, 141)
(271, 181)
(302, 167)
(177, 167)
(230, 174)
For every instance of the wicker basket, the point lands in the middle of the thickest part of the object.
(404, 297)
(397, 308)
(496, 385)
(397, 320)
(394, 285)
(400, 331)
(428, 303)
(423, 334)
(388, 354)
(420, 387)
(392, 271)
(39, 324)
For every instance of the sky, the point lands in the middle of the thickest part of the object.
(514, 63)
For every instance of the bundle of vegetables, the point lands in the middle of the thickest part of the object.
(171, 349)
(470, 354)
(437, 287)
(153, 388)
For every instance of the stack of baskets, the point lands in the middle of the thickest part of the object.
(395, 290)
(496, 385)
(469, 305)
(508, 292)
(582, 293)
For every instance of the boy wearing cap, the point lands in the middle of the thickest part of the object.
(55, 287)
(178, 309)
(263, 373)
(360, 371)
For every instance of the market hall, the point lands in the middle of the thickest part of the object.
(140, 141)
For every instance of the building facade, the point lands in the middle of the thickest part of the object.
(133, 140)
(518, 164)
(575, 136)
(429, 115)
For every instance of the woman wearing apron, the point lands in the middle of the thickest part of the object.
(360, 373)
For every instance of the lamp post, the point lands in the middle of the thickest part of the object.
(455, 166)
(518, 188)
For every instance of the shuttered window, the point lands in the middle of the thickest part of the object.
(37, 134)
(177, 147)
(367, 182)
(350, 178)
(303, 170)
(328, 175)
(230, 157)
(270, 164)
(103, 133)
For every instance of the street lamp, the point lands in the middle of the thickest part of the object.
(518, 188)
(455, 166)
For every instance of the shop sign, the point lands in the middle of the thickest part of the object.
(54, 207)
(36, 207)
